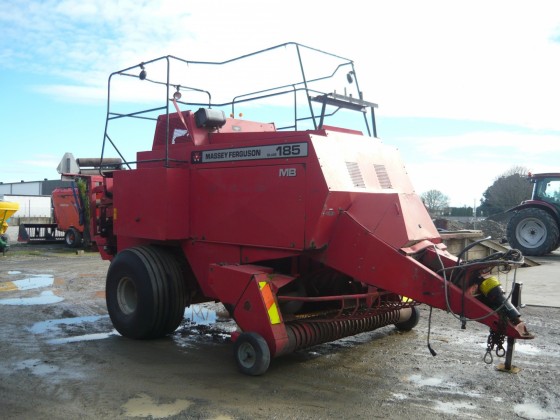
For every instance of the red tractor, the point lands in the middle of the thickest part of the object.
(306, 232)
(535, 224)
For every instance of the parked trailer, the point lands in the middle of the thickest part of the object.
(306, 233)
(70, 212)
(68, 217)
(31, 233)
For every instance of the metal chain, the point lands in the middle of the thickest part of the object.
(496, 340)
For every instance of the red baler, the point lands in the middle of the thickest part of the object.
(305, 232)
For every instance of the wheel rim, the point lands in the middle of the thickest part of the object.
(247, 355)
(70, 238)
(127, 297)
(531, 233)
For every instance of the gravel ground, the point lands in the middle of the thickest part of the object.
(61, 358)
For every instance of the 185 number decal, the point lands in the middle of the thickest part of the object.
(289, 150)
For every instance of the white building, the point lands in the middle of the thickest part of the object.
(34, 197)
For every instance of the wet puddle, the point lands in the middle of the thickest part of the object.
(145, 406)
(37, 367)
(48, 370)
(418, 380)
(454, 408)
(30, 283)
(199, 321)
(534, 411)
(526, 348)
(204, 321)
(34, 282)
(64, 329)
(54, 325)
(85, 337)
(44, 298)
(470, 406)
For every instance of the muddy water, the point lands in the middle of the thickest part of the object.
(61, 358)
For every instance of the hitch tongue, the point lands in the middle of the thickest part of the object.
(523, 331)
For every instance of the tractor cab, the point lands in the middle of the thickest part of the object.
(547, 188)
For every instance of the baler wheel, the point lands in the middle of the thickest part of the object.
(410, 323)
(252, 354)
(73, 238)
(176, 299)
(145, 292)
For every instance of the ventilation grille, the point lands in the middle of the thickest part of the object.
(355, 174)
(383, 176)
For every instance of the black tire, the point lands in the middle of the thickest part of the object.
(73, 238)
(410, 323)
(4, 245)
(145, 293)
(252, 354)
(533, 231)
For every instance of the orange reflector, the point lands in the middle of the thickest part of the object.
(269, 302)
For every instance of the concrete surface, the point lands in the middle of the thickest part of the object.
(541, 284)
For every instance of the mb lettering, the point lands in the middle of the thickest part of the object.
(288, 172)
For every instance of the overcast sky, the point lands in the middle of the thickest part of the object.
(466, 90)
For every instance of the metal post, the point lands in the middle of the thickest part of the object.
(515, 301)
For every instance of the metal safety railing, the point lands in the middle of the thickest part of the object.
(309, 81)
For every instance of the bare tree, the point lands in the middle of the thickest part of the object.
(435, 201)
(508, 190)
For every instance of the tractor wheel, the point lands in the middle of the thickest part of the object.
(532, 231)
(410, 323)
(73, 238)
(145, 293)
(251, 354)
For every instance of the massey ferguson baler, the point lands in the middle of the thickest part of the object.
(306, 233)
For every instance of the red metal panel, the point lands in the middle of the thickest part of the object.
(367, 179)
(238, 287)
(321, 221)
(356, 164)
(257, 205)
(396, 218)
(188, 132)
(253, 254)
(355, 251)
(178, 133)
(66, 209)
(179, 155)
(151, 203)
(201, 255)
(231, 280)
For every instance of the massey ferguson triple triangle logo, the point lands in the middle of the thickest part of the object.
(271, 151)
